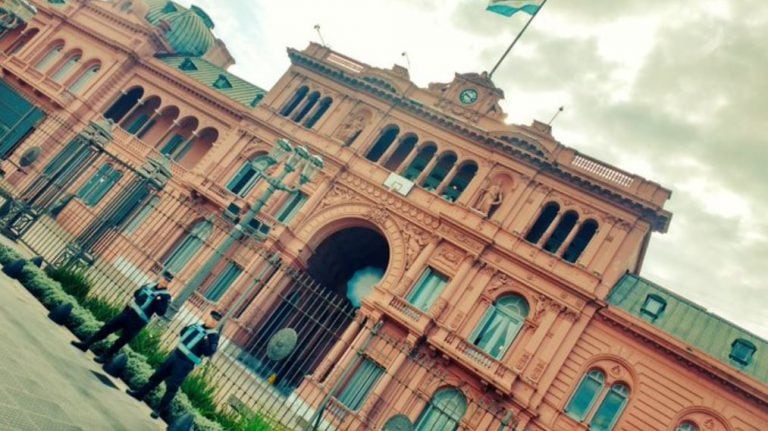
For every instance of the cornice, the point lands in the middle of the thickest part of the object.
(515, 148)
(629, 324)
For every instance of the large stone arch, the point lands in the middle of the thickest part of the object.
(325, 222)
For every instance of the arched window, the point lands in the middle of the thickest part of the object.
(460, 182)
(439, 172)
(500, 325)
(687, 426)
(443, 412)
(580, 241)
(545, 219)
(294, 102)
(137, 124)
(610, 409)
(387, 136)
(124, 104)
(406, 145)
(425, 155)
(49, 58)
(321, 108)
(65, 69)
(99, 184)
(564, 227)
(188, 247)
(308, 105)
(84, 79)
(586, 394)
(248, 175)
(22, 41)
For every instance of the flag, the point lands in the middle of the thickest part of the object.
(511, 7)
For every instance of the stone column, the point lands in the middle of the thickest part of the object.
(427, 169)
(408, 160)
(333, 357)
(146, 125)
(383, 384)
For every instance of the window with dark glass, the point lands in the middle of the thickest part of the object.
(223, 282)
(542, 223)
(564, 227)
(742, 351)
(652, 308)
(610, 408)
(687, 426)
(291, 207)
(500, 325)
(355, 390)
(585, 395)
(99, 185)
(427, 289)
(443, 412)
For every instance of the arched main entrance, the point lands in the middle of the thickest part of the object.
(318, 304)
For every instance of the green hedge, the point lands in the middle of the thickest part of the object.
(83, 324)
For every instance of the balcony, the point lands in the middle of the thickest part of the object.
(37, 80)
(413, 318)
(487, 367)
(136, 152)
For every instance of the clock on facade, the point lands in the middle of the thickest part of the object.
(468, 96)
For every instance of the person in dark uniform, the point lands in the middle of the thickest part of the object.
(150, 299)
(196, 341)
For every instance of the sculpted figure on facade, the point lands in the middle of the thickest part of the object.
(353, 125)
(490, 196)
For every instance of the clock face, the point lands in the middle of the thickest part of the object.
(468, 96)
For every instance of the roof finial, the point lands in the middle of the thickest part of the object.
(559, 110)
(317, 28)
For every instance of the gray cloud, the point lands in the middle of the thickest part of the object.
(693, 114)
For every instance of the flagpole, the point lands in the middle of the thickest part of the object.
(519, 35)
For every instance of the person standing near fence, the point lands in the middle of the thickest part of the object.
(196, 341)
(150, 299)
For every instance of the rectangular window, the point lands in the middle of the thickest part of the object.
(291, 207)
(142, 215)
(223, 282)
(353, 393)
(427, 289)
(652, 308)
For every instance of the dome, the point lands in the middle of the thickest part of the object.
(188, 31)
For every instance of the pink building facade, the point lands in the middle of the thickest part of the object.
(503, 289)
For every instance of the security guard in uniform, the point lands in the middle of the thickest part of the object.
(196, 341)
(149, 299)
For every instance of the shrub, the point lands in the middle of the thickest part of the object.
(101, 309)
(148, 343)
(72, 280)
(200, 391)
(8, 255)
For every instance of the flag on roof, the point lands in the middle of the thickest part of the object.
(511, 7)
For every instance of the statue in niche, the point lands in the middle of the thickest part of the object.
(490, 198)
(352, 127)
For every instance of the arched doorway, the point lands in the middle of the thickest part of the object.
(318, 304)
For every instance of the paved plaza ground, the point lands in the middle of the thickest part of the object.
(48, 385)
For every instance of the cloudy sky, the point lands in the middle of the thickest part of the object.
(676, 92)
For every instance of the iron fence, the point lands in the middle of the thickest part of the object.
(346, 372)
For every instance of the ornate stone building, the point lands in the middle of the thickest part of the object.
(501, 264)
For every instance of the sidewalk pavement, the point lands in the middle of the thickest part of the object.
(48, 385)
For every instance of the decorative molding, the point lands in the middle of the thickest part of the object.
(415, 241)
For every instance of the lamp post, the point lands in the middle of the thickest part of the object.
(296, 159)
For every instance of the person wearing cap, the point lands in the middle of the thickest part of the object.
(150, 299)
(196, 342)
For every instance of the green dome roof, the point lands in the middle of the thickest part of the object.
(188, 31)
